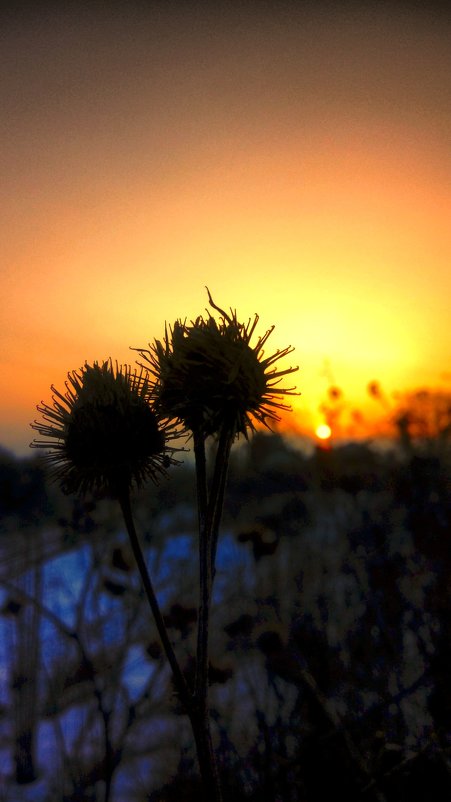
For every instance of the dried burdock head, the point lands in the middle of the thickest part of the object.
(209, 375)
(103, 433)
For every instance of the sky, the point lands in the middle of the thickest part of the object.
(293, 157)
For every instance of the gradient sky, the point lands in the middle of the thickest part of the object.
(295, 158)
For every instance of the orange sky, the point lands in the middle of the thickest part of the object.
(296, 159)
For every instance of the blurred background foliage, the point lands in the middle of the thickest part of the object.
(331, 625)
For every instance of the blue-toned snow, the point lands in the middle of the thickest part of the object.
(64, 584)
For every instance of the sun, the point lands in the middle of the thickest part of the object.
(323, 431)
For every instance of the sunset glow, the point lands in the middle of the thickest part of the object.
(323, 431)
(294, 159)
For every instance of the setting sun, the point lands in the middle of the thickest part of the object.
(323, 431)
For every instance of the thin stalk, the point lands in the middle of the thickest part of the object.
(205, 577)
(196, 705)
(218, 490)
(206, 756)
(201, 480)
(201, 722)
(179, 679)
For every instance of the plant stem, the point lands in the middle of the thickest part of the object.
(201, 480)
(205, 576)
(218, 490)
(179, 679)
(196, 705)
(201, 722)
(206, 756)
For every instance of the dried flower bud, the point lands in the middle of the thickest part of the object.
(103, 433)
(208, 375)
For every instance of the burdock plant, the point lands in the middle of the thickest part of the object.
(103, 434)
(113, 429)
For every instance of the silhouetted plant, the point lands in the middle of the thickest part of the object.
(111, 430)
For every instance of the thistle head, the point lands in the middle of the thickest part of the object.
(209, 376)
(103, 432)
